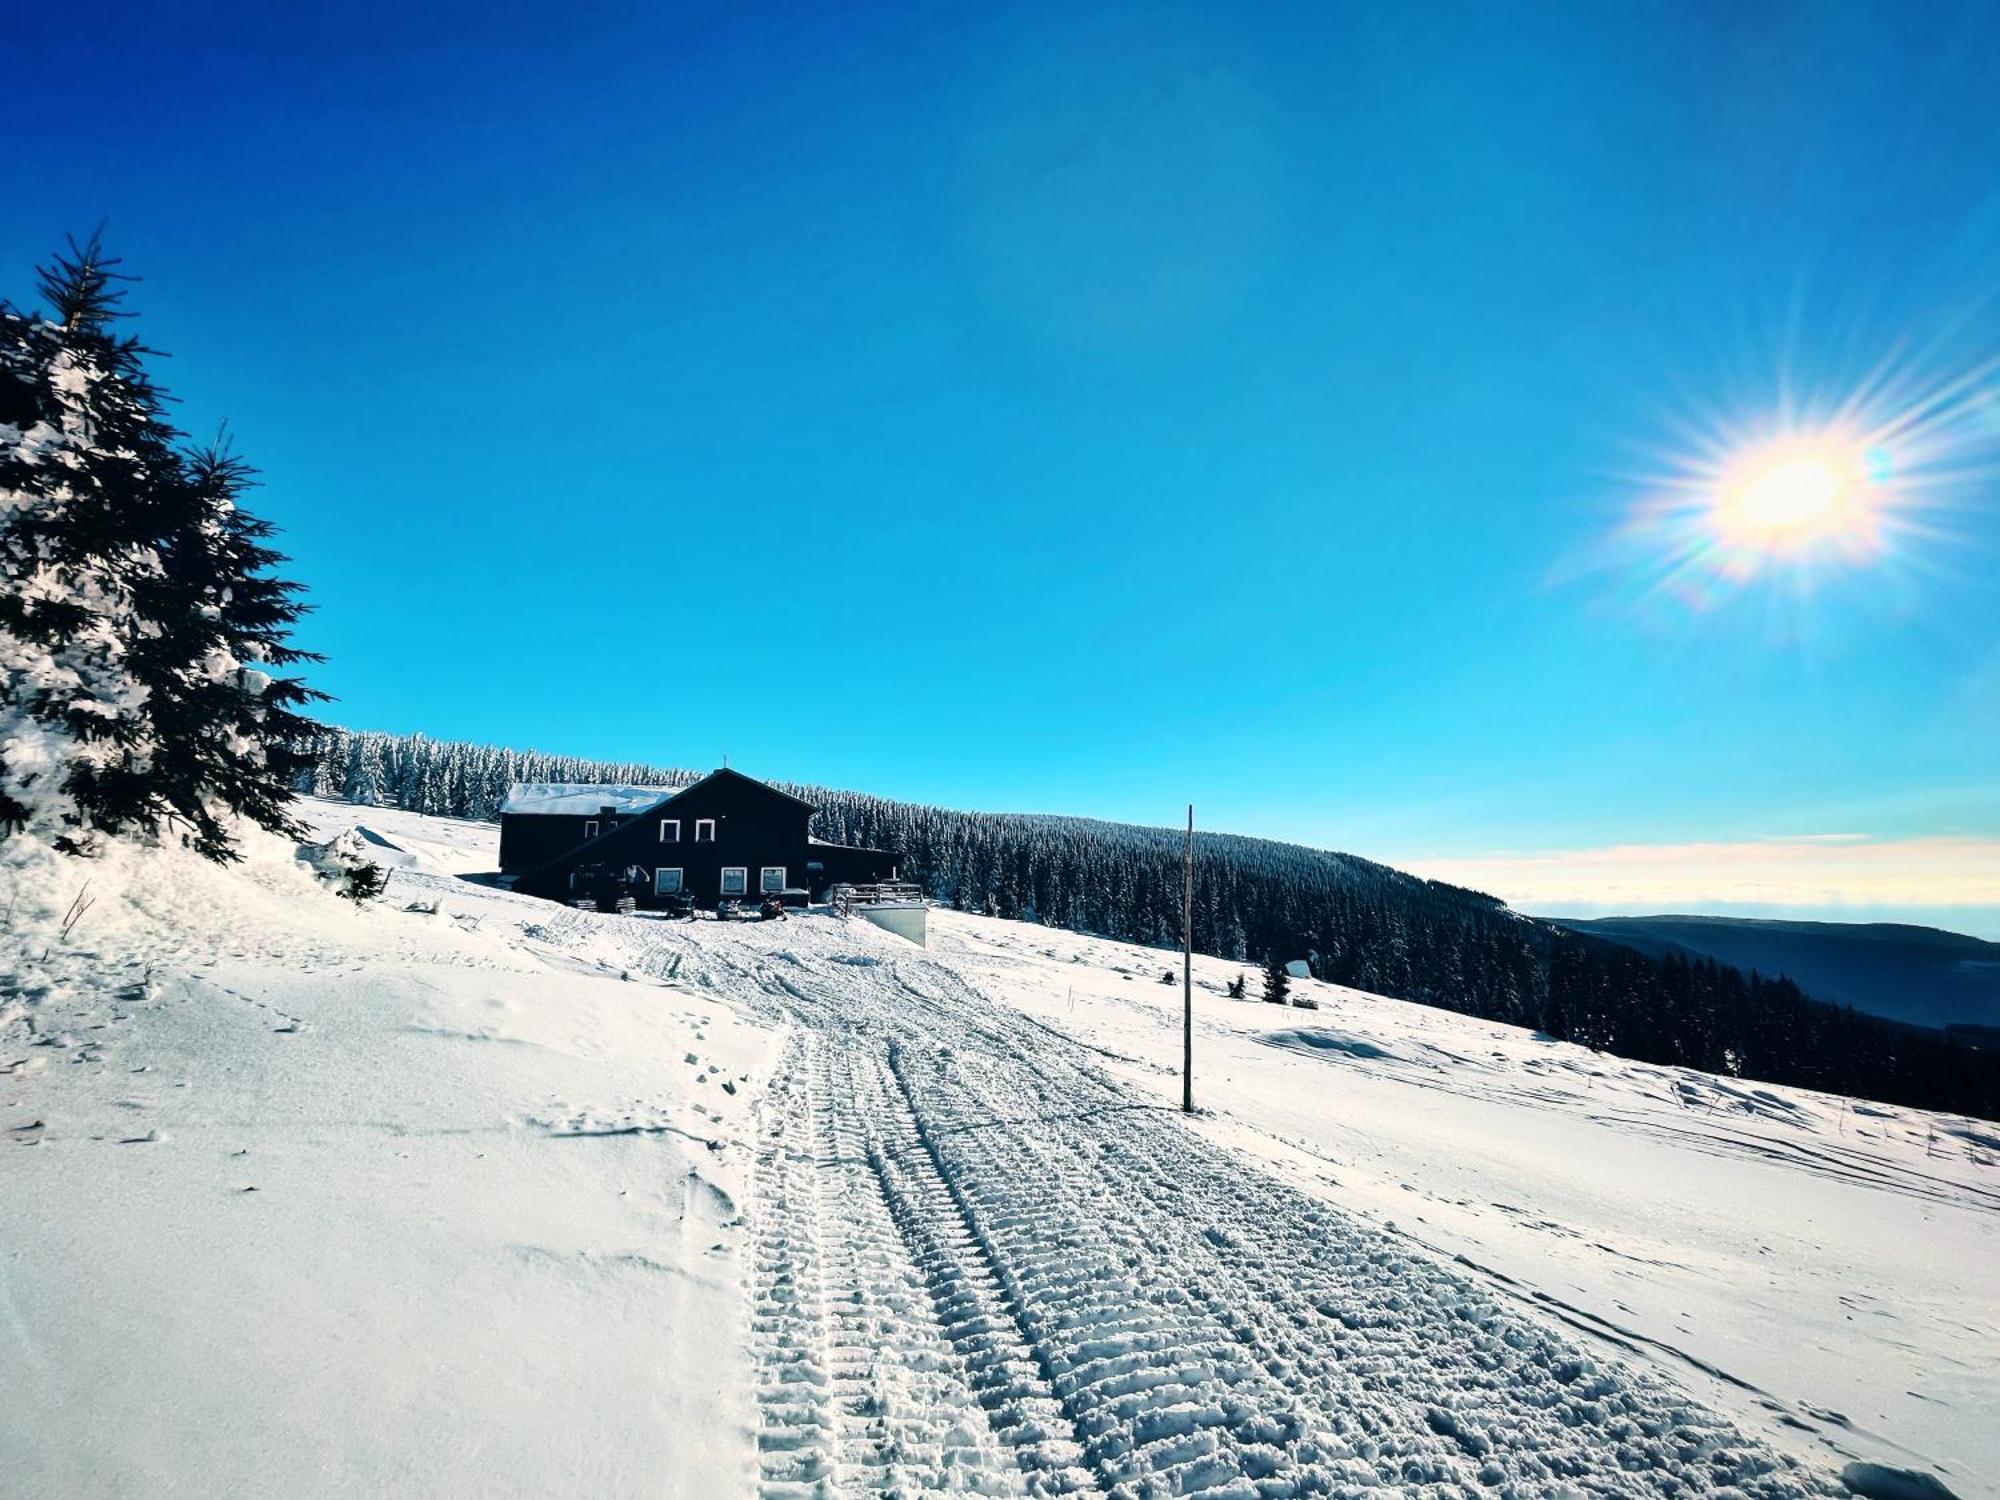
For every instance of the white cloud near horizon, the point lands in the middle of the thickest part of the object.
(1818, 873)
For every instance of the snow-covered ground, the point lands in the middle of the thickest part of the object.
(508, 1199)
(1825, 1270)
(302, 1200)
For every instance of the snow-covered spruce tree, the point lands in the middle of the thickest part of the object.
(229, 737)
(140, 630)
(1277, 980)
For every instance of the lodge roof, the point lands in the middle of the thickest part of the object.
(571, 798)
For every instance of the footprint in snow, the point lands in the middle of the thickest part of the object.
(703, 1201)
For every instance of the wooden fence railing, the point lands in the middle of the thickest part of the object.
(847, 895)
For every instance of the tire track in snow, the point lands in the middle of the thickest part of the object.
(788, 1318)
(1136, 1311)
(1191, 1207)
(970, 1306)
(896, 1362)
(862, 1391)
(1160, 1391)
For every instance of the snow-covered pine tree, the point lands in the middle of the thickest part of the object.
(365, 776)
(329, 764)
(1277, 982)
(137, 617)
(82, 512)
(231, 738)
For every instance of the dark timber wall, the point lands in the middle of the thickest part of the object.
(531, 839)
(755, 827)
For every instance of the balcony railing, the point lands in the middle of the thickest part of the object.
(848, 896)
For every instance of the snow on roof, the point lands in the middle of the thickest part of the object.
(573, 797)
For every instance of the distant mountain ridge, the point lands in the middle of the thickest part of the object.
(1921, 975)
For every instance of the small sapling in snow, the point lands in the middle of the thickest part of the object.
(1277, 983)
(363, 882)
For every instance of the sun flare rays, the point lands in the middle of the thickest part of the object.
(1813, 489)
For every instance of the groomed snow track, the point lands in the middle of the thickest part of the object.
(983, 1269)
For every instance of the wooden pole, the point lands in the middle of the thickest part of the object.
(1187, 975)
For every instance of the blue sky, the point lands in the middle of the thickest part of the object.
(1091, 408)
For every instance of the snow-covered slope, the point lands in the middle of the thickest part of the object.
(548, 1202)
(1826, 1270)
(300, 1200)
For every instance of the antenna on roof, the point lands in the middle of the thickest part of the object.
(725, 760)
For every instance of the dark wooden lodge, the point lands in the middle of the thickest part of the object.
(728, 835)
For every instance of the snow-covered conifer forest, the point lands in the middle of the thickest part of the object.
(1360, 923)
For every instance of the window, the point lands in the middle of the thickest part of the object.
(704, 830)
(771, 879)
(670, 830)
(735, 880)
(666, 882)
(590, 830)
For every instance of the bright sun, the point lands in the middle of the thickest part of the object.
(1810, 487)
(1794, 496)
